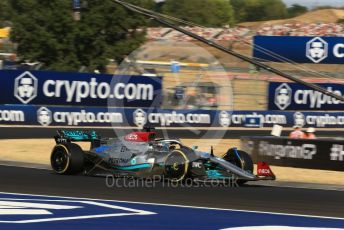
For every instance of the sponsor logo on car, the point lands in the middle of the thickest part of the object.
(264, 171)
(118, 161)
(131, 137)
(196, 165)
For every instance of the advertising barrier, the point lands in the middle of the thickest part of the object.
(92, 116)
(324, 50)
(327, 154)
(79, 89)
(294, 96)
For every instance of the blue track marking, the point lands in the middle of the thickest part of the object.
(70, 213)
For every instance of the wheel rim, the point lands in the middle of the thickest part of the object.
(176, 167)
(59, 160)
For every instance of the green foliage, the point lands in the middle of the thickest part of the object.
(340, 20)
(212, 13)
(258, 10)
(296, 10)
(45, 31)
(5, 12)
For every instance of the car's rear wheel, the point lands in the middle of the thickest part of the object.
(241, 159)
(176, 166)
(67, 158)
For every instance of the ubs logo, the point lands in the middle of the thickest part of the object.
(317, 49)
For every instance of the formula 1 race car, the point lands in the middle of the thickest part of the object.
(142, 155)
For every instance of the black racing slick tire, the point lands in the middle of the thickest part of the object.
(176, 165)
(241, 159)
(67, 159)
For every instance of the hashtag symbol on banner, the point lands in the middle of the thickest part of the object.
(337, 153)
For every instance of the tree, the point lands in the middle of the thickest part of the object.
(211, 13)
(296, 10)
(259, 10)
(6, 11)
(46, 32)
(341, 20)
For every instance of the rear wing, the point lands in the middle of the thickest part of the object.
(64, 136)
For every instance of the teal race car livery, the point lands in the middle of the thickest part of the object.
(142, 155)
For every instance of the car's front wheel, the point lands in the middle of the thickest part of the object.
(176, 165)
(67, 158)
(241, 159)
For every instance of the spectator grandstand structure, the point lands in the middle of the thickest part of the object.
(316, 23)
(248, 84)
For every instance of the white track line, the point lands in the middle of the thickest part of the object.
(184, 206)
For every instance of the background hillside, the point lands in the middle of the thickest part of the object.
(317, 16)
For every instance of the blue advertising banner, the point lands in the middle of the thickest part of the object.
(325, 50)
(119, 117)
(294, 96)
(79, 89)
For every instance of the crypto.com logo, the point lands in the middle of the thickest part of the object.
(299, 119)
(44, 116)
(139, 117)
(283, 95)
(224, 119)
(25, 87)
(317, 49)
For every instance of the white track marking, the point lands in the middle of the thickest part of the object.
(25, 202)
(15, 212)
(185, 206)
(279, 228)
(10, 204)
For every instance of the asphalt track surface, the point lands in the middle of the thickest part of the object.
(251, 197)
